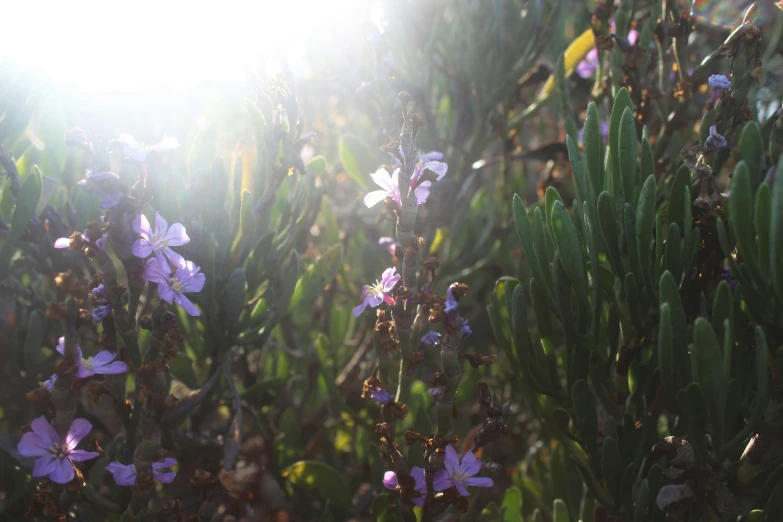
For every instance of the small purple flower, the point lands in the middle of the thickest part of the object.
(105, 185)
(54, 453)
(125, 474)
(390, 482)
(726, 276)
(451, 302)
(587, 67)
(422, 189)
(187, 278)
(438, 393)
(714, 141)
(430, 339)
(379, 292)
(99, 313)
(466, 331)
(460, 475)
(99, 291)
(719, 81)
(389, 243)
(390, 185)
(381, 396)
(158, 242)
(49, 384)
(102, 363)
(134, 150)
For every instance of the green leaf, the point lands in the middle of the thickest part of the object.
(707, 360)
(593, 144)
(349, 149)
(560, 511)
(681, 183)
(670, 295)
(550, 197)
(582, 184)
(247, 222)
(234, 299)
(522, 224)
(26, 201)
(763, 223)
(328, 482)
(672, 255)
(317, 276)
(776, 233)
(721, 307)
(645, 220)
(751, 149)
(568, 246)
(621, 102)
(741, 214)
(585, 416)
(608, 225)
(612, 466)
(512, 505)
(628, 152)
(540, 240)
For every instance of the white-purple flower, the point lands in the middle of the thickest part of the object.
(102, 363)
(54, 453)
(136, 151)
(159, 241)
(381, 396)
(125, 474)
(390, 187)
(105, 185)
(714, 141)
(171, 288)
(720, 82)
(390, 482)
(422, 189)
(374, 295)
(459, 475)
(430, 339)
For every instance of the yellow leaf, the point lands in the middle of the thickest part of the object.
(575, 53)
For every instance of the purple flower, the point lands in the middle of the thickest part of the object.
(466, 331)
(136, 151)
(451, 303)
(99, 291)
(125, 474)
(65, 242)
(381, 396)
(379, 292)
(390, 185)
(431, 338)
(99, 313)
(714, 141)
(390, 482)
(158, 242)
(102, 364)
(389, 243)
(726, 276)
(438, 393)
(720, 82)
(187, 278)
(50, 383)
(54, 453)
(105, 185)
(587, 67)
(422, 189)
(460, 475)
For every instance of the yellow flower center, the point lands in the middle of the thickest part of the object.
(58, 451)
(175, 284)
(87, 363)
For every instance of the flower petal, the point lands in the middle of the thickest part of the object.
(82, 455)
(176, 259)
(167, 463)
(63, 471)
(156, 271)
(452, 461)
(78, 430)
(142, 248)
(195, 283)
(165, 478)
(383, 179)
(480, 482)
(114, 368)
(390, 480)
(63, 242)
(375, 197)
(44, 466)
(33, 445)
(176, 235)
(102, 358)
(165, 292)
(161, 226)
(461, 488)
(422, 192)
(142, 226)
(442, 480)
(186, 305)
(438, 167)
(124, 475)
(357, 310)
(48, 434)
(470, 464)
(61, 345)
(167, 143)
(417, 473)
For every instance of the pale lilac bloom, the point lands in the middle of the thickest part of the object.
(102, 363)
(390, 482)
(99, 291)
(460, 475)
(125, 474)
(105, 185)
(381, 396)
(159, 241)
(136, 151)
(587, 67)
(422, 190)
(99, 313)
(374, 295)
(55, 453)
(171, 288)
(714, 141)
(390, 185)
(431, 338)
(720, 82)
(63, 242)
(389, 243)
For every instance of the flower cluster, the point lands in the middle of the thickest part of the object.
(390, 183)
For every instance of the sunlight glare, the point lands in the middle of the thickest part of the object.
(100, 45)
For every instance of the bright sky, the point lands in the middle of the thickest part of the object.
(99, 45)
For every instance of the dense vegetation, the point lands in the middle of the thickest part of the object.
(513, 260)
